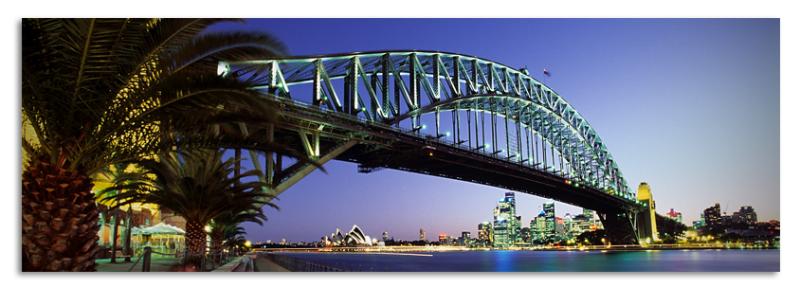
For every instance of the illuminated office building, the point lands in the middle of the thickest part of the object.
(550, 221)
(465, 239)
(506, 223)
(538, 228)
(712, 216)
(485, 234)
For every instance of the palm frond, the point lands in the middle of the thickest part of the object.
(101, 91)
(198, 185)
(207, 50)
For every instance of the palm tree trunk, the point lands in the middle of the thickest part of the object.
(128, 227)
(114, 233)
(59, 219)
(216, 245)
(195, 242)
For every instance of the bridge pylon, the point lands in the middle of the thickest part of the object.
(646, 219)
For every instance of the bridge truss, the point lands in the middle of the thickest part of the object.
(466, 102)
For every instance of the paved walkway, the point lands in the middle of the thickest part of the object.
(262, 264)
(157, 264)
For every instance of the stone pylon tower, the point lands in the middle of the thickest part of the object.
(646, 220)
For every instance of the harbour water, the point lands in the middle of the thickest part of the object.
(553, 261)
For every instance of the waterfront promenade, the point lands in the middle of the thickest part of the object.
(157, 264)
(262, 264)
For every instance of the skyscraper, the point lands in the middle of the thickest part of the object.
(550, 221)
(422, 235)
(570, 229)
(538, 228)
(506, 226)
(465, 238)
(485, 235)
(713, 220)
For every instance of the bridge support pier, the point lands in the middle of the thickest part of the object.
(620, 227)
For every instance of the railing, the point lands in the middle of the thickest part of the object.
(295, 264)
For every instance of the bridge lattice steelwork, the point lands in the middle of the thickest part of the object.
(491, 108)
(442, 114)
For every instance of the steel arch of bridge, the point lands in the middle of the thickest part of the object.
(400, 88)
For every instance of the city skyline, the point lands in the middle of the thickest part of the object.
(571, 212)
(725, 71)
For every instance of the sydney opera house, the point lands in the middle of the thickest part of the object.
(355, 237)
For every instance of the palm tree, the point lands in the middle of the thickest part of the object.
(101, 91)
(199, 186)
(117, 175)
(234, 239)
(225, 223)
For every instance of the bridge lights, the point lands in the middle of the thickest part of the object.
(223, 69)
(421, 127)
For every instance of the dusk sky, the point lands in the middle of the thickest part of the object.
(688, 105)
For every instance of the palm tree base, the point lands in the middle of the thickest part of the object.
(195, 243)
(59, 219)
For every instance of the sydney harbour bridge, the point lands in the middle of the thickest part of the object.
(443, 114)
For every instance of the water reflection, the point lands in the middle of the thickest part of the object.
(544, 261)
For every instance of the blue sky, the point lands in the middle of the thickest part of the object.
(688, 105)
